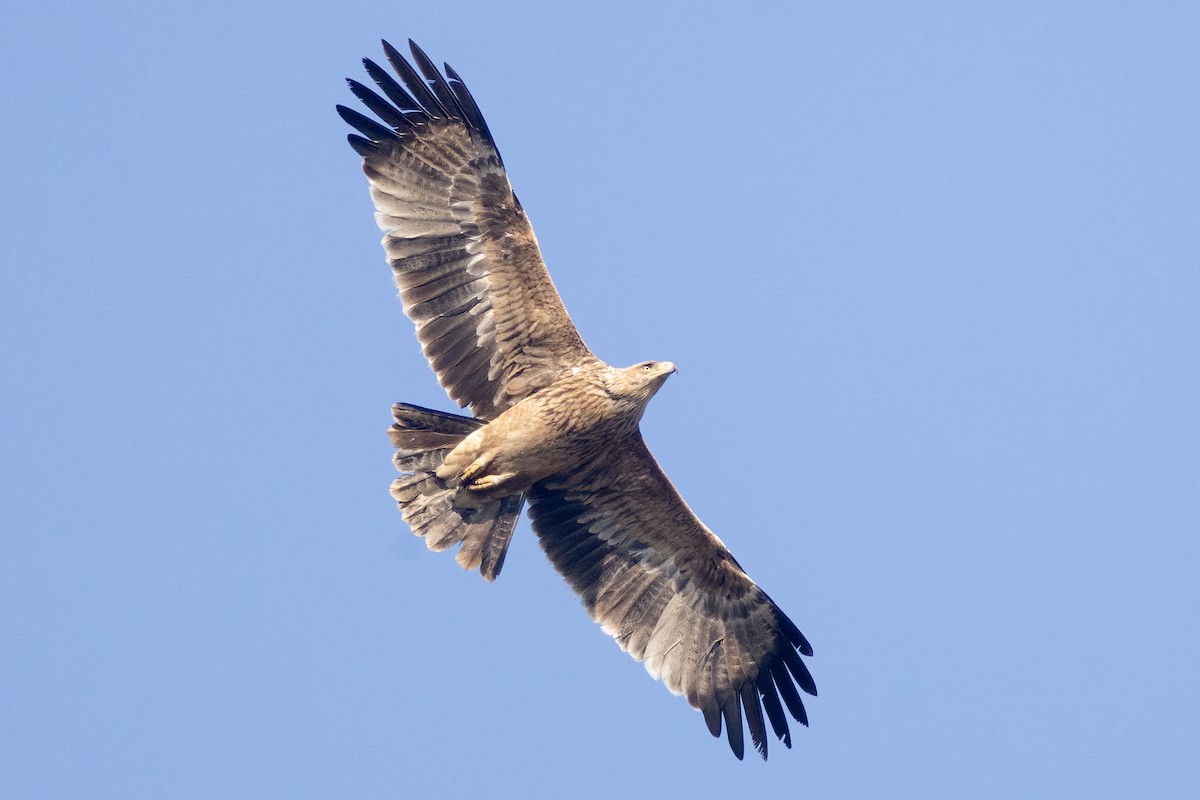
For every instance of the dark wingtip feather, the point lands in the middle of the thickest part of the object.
(420, 98)
(770, 701)
(470, 108)
(731, 709)
(364, 147)
(462, 97)
(437, 82)
(394, 91)
(754, 718)
(415, 83)
(712, 718)
(792, 633)
(787, 690)
(365, 125)
(799, 670)
(380, 107)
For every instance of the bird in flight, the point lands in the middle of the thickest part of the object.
(552, 425)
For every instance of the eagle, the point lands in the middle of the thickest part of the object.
(551, 424)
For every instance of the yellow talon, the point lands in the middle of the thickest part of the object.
(468, 475)
(486, 482)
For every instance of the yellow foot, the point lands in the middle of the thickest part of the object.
(468, 475)
(486, 482)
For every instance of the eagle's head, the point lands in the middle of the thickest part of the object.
(641, 381)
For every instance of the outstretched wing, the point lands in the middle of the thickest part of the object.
(470, 273)
(659, 582)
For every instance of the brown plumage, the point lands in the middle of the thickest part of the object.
(552, 423)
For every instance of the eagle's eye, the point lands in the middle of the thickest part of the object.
(648, 365)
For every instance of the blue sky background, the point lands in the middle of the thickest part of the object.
(931, 272)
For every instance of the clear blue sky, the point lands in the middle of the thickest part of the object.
(931, 274)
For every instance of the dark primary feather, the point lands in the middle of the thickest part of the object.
(732, 712)
(365, 125)
(770, 699)
(394, 91)
(754, 718)
(436, 82)
(470, 109)
(417, 87)
(380, 107)
(364, 147)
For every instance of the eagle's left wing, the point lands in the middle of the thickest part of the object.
(462, 250)
(659, 582)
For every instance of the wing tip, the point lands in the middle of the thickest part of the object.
(427, 93)
(368, 127)
(799, 671)
(754, 718)
(712, 718)
(731, 710)
(364, 147)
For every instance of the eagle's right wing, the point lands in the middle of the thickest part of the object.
(465, 258)
(668, 591)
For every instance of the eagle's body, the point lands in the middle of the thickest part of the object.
(559, 430)
(552, 424)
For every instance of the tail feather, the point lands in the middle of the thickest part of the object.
(422, 438)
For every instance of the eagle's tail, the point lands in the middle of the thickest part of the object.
(423, 438)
